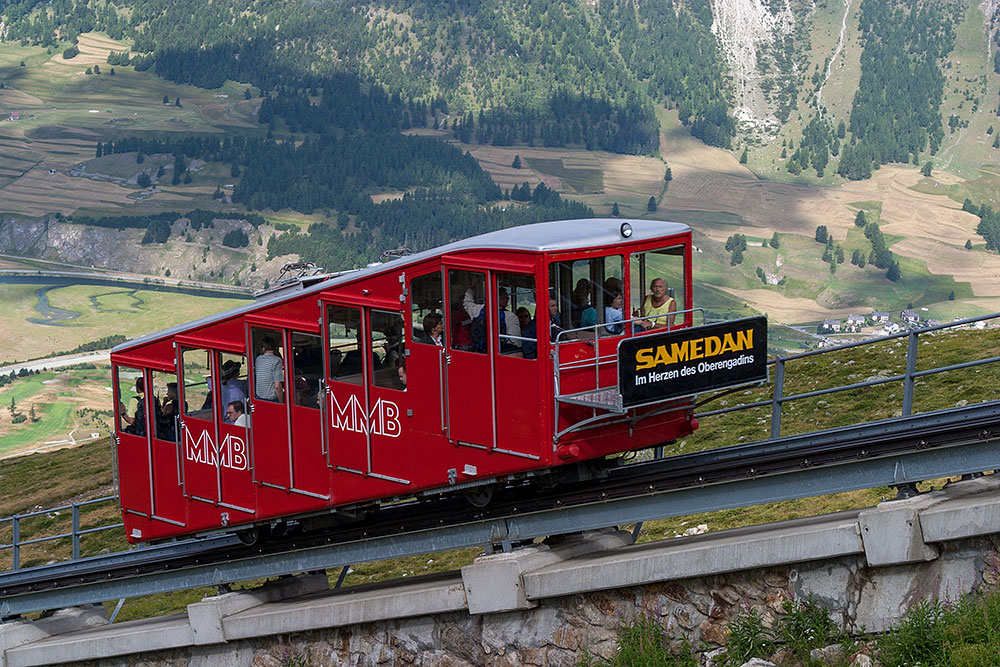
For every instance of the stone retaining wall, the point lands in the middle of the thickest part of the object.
(559, 630)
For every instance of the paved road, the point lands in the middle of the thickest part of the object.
(100, 356)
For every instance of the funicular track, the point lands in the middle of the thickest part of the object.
(898, 451)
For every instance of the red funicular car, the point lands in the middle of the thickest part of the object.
(460, 367)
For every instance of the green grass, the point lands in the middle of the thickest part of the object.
(55, 419)
(982, 190)
(929, 186)
(958, 633)
(53, 423)
(120, 310)
(578, 181)
(969, 76)
(704, 218)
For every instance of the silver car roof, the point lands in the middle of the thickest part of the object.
(560, 235)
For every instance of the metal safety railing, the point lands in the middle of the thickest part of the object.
(604, 396)
(908, 377)
(16, 525)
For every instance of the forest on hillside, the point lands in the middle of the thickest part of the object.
(533, 73)
(539, 72)
(505, 58)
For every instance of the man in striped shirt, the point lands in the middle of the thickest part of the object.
(269, 373)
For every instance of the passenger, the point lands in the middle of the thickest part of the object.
(233, 389)
(236, 415)
(529, 329)
(508, 321)
(555, 318)
(336, 359)
(166, 421)
(659, 307)
(580, 305)
(523, 317)
(137, 422)
(401, 374)
(614, 285)
(393, 349)
(433, 333)
(461, 328)
(269, 373)
(613, 314)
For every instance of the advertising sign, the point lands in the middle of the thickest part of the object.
(690, 361)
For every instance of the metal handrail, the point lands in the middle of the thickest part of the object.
(75, 533)
(593, 333)
(908, 377)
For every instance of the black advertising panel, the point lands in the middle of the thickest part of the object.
(690, 361)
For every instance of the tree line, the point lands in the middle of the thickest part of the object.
(989, 223)
(417, 221)
(896, 114)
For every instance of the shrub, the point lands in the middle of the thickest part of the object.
(748, 638)
(642, 643)
(806, 625)
(919, 637)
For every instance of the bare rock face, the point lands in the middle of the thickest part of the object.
(753, 35)
(196, 255)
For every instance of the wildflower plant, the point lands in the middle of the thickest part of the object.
(642, 642)
(806, 625)
(749, 637)
(289, 656)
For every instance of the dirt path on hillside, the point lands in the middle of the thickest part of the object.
(835, 55)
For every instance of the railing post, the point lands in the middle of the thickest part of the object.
(15, 540)
(911, 367)
(779, 382)
(76, 531)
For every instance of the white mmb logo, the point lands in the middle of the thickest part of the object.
(232, 454)
(382, 420)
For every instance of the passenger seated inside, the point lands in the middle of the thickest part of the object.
(613, 313)
(236, 415)
(336, 360)
(401, 375)
(433, 333)
(555, 317)
(529, 329)
(659, 307)
(166, 421)
(461, 328)
(136, 422)
(508, 320)
(233, 389)
(269, 373)
(582, 313)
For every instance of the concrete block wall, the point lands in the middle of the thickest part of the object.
(545, 606)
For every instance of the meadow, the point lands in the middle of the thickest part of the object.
(61, 408)
(64, 112)
(103, 310)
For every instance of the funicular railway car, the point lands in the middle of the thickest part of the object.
(461, 368)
